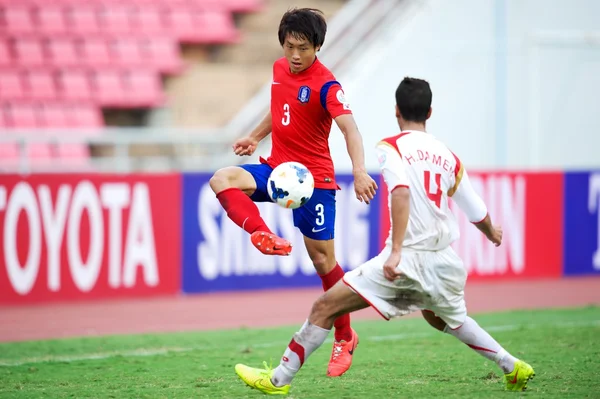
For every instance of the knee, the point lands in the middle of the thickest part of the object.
(321, 262)
(433, 320)
(221, 180)
(321, 310)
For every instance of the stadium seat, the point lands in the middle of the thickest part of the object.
(95, 52)
(84, 115)
(83, 19)
(115, 18)
(128, 52)
(51, 20)
(29, 51)
(39, 153)
(164, 55)
(41, 85)
(75, 85)
(11, 85)
(148, 20)
(216, 27)
(9, 155)
(53, 115)
(144, 88)
(109, 90)
(182, 25)
(21, 116)
(73, 153)
(63, 51)
(17, 19)
(5, 57)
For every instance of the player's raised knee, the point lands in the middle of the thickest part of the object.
(223, 179)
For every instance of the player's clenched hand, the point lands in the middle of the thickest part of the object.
(364, 186)
(390, 265)
(496, 235)
(245, 146)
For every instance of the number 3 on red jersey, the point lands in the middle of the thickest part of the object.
(286, 115)
(436, 196)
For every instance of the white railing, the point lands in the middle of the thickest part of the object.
(179, 149)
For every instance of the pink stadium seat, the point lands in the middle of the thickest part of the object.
(128, 52)
(29, 51)
(11, 86)
(17, 19)
(229, 5)
(164, 54)
(84, 115)
(21, 116)
(109, 90)
(148, 20)
(75, 85)
(63, 51)
(144, 88)
(116, 19)
(51, 19)
(73, 153)
(53, 115)
(41, 85)
(182, 25)
(83, 19)
(216, 27)
(5, 57)
(9, 155)
(39, 153)
(95, 52)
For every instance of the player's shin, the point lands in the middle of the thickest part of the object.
(343, 332)
(303, 343)
(479, 340)
(242, 210)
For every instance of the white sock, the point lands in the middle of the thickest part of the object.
(479, 340)
(303, 343)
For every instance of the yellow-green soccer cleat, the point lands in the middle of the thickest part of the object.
(517, 380)
(260, 379)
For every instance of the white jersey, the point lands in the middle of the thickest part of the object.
(431, 171)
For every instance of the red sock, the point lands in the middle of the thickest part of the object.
(342, 323)
(242, 210)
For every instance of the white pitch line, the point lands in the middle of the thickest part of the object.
(144, 352)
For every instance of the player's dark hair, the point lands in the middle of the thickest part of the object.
(413, 98)
(303, 23)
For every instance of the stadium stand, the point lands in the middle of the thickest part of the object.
(70, 64)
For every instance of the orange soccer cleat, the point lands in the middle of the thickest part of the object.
(270, 244)
(341, 356)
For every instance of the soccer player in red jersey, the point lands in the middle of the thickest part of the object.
(305, 99)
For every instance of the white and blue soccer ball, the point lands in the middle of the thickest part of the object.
(290, 185)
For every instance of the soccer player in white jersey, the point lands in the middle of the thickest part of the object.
(417, 269)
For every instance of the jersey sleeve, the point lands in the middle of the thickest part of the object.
(469, 201)
(392, 167)
(333, 99)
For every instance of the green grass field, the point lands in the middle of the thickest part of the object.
(399, 359)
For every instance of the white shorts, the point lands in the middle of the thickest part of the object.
(432, 280)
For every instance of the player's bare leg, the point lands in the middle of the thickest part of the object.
(233, 187)
(475, 337)
(337, 301)
(322, 254)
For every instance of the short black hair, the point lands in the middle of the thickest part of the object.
(413, 98)
(303, 23)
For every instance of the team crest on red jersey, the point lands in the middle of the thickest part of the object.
(304, 94)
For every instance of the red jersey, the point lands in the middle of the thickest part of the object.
(303, 107)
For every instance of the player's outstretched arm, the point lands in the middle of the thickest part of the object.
(247, 145)
(364, 185)
(473, 206)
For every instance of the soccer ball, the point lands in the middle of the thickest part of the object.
(290, 185)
